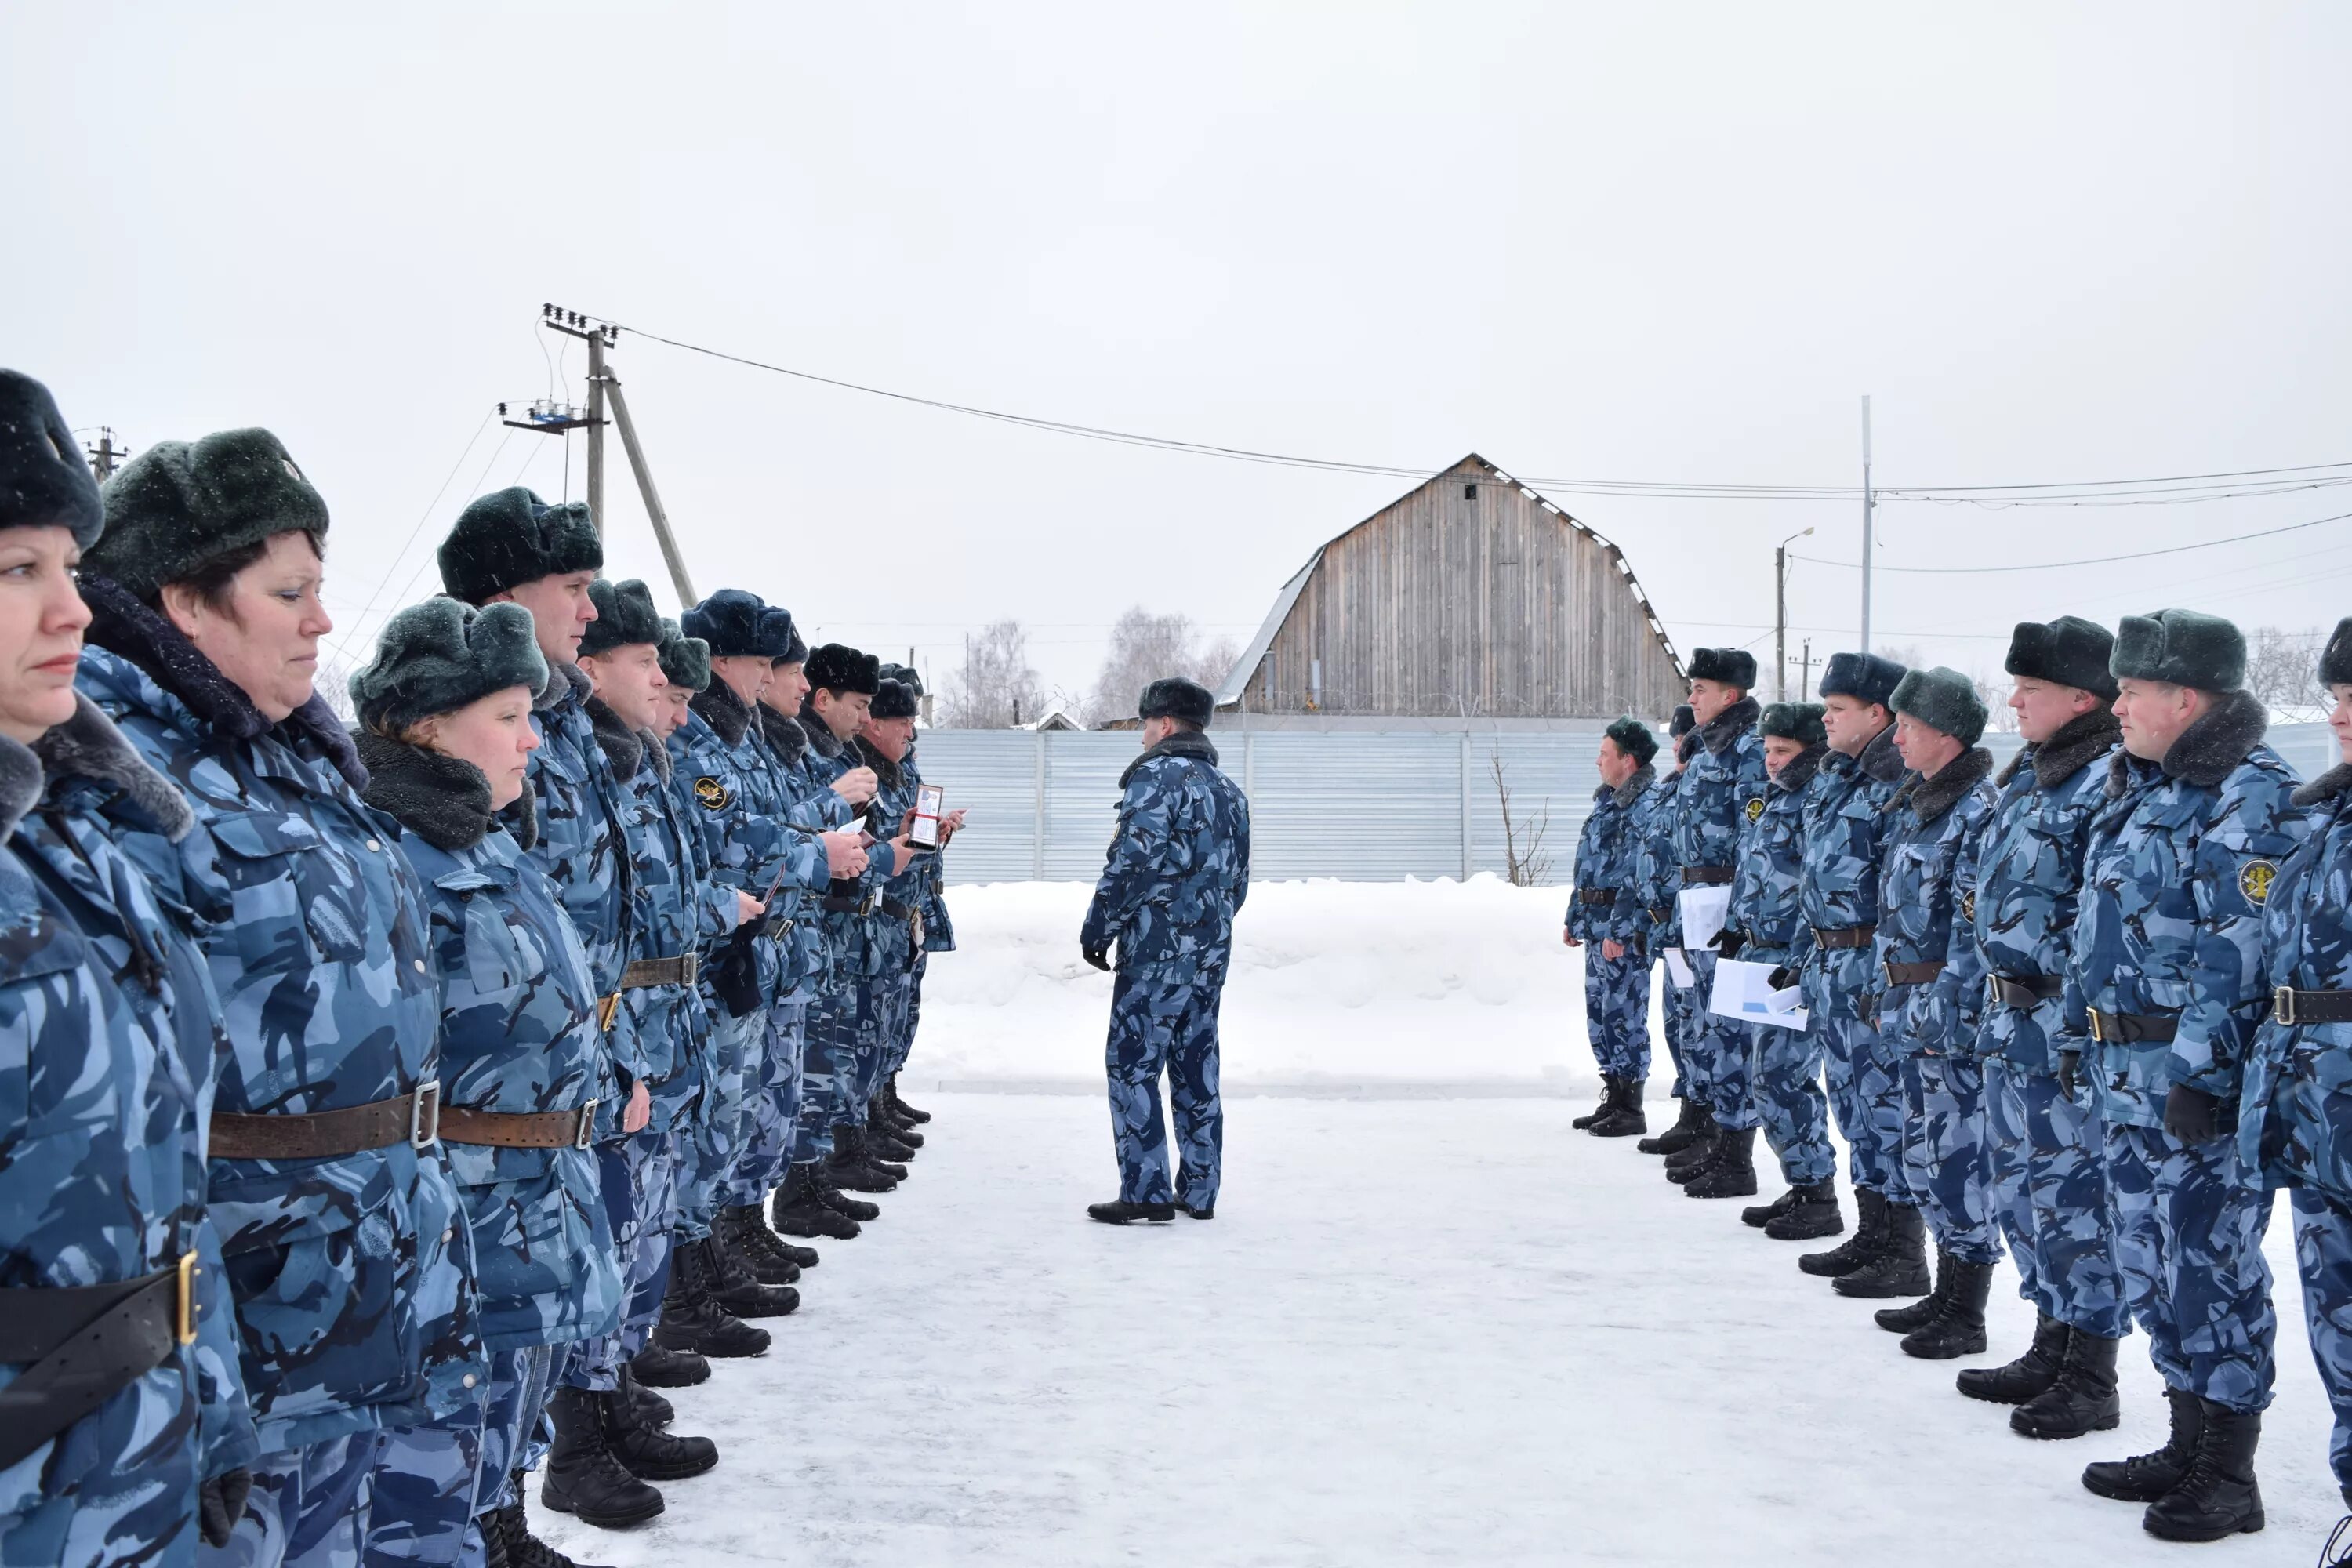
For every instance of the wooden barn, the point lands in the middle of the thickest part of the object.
(1471, 597)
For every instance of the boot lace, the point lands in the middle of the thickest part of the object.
(2329, 1557)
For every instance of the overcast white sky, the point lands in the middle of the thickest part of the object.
(1672, 243)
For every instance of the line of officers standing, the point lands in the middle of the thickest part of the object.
(2097, 1003)
(386, 1113)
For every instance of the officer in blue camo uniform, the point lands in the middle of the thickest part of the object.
(1600, 907)
(1768, 926)
(2299, 1074)
(939, 930)
(2168, 961)
(511, 546)
(338, 1220)
(1929, 996)
(1721, 796)
(1657, 925)
(106, 1029)
(2044, 1149)
(1846, 821)
(444, 716)
(1176, 874)
(897, 938)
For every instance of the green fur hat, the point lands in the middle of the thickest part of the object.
(44, 483)
(438, 656)
(625, 615)
(512, 536)
(685, 661)
(179, 506)
(1633, 738)
(1943, 699)
(2180, 647)
(1797, 721)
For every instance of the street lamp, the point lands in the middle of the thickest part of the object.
(1781, 614)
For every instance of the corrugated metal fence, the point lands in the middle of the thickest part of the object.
(1362, 807)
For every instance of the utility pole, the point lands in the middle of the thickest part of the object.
(1867, 534)
(1805, 675)
(102, 456)
(596, 434)
(1780, 616)
(653, 512)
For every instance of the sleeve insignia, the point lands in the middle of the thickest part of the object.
(1756, 808)
(2254, 879)
(713, 795)
(1968, 906)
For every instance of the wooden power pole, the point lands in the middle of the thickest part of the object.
(102, 456)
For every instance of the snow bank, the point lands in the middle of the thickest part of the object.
(1335, 984)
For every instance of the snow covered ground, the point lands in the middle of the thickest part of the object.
(1426, 1327)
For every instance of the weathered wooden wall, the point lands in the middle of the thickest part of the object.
(1469, 597)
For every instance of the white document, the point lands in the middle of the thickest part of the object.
(1678, 970)
(1744, 991)
(1704, 910)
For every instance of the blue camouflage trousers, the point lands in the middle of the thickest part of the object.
(2188, 1241)
(1715, 1058)
(2323, 1256)
(59, 1511)
(2047, 1159)
(1675, 1005)
(309, 1507)
(1943, 1154)
(774, 1097)
(1865, 1090)
(519, 1383)
(830, 1033)
(909, 1019)
(646, 1271)
(707, 1156)
(1785, 1071)
(1164, 1019)
(1617, 1013)
(882, 1010)
(635, 1177)
(423, 1503)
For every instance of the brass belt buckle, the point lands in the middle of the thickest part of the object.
(2282, 1006)
(186, 1325)
(606, 1009)
(580, 1136)
(2098, 1030)
(1993, 992)
(425, 1115)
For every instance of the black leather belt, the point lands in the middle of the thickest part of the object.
(2291, 1007)
(1596, 895)
(520, 1129)
(84, 1344)
(2133, 1028)
(897, 911)
(1705, 876)
(2022, 991)
(1844, 937)
(413, 1119)
(1660, 913)
(1912, 973)
(645, 972)
(861, 908)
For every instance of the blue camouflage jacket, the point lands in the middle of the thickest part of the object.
(1765, 907)
(2294, 1117)
(1655, 920)
(1846, 823)
(1722, 790)
(893, 941)
(1926, 908)
(2181, 864)
(939, 931)
(519, 1037)
(106, 1035)
(352, 1278)
(1608, 859)
(2029, 877)
(1178, 866)
(814, 807)
(854, 946)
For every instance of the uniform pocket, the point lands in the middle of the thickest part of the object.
(295, 904)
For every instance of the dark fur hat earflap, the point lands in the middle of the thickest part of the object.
(1173, 697)
(1799, 722)
(904, 674)
(624, 616)
(2336, 659)
(179, 506)
(740, 624)
(1724, 666)
(1633, 738)
(1943, 699)
(438, 656)
(837, 667)
(1685, 719)
(512, 536)
(2068, 651)
(685, 661)
(2180, 647)
(893, 700)
(44, 483)
(1864, 677)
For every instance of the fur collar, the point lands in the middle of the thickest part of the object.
(20, 784)
(1633, 788)
(123, 625)
(564, 681)
(1720, 732)
(442, 800)
(1880, 760)
(2212, 748)
(2327, 788)
(812, 730)
(1685, 749)
(656, 752)
(622, 748)
(2080, 741)
(722, 711)
(88, 746)
(785, 736)
(884, 768)
(1183, 743)
(1800, 768)
(1930, 798)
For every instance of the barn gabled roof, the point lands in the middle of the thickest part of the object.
(1229, 691)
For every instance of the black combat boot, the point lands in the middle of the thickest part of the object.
(798, 1207)
(1959, 1329)
(646, 1450)
(2028, 1375)
(1694, 1157)
(524, 1550)
(493, 1539)
(1762, 1214)
(2144, 1478)
(2338, 1553)
(1859, 1250)
(1900, 1266)
(1732, 1173)
(879, 1122)
(1626, 1117)
(584, 1478)
(1122, 1212)
(737, 1290)
(2217, 1496)
(1923, 1312)
(646, 1407)
(885, 1142)
(1812, 1213)
(906, 1111)
(746, 1236)
(1692, 1124)
(1607, 1103)
(2083, 1399)
(692, 1321)
(658, 1366)
(830, 1194)
(852, 1169)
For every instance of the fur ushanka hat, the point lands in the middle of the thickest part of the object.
(438, 656)
(43, 481)
(1943, 699)
(1633, 738)
(512, 536)
(179, 506)
(625, 615)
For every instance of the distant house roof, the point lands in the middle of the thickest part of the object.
(1054, 717)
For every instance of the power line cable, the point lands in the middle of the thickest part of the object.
(2087, 561)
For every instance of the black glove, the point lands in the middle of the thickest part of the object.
(2069, 1072)
(1098, 956)
(221, 1504)
(1727, 943)
(2191, 1115)
(1784, 977)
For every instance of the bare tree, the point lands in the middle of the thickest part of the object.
(1145, 647)
(2282, 668)
(1993, 690)
(997, 687)
(1525, 859)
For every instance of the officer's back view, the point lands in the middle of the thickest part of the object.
(1178, 869)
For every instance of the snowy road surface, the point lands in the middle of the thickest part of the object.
(1418, 1331)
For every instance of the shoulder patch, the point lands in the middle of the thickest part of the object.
(1756, 808)
(713, 795)
(2254, 879)
(1969, 905)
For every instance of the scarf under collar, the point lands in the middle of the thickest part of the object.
(2078, 742)
(442, 800)
(1181, 743)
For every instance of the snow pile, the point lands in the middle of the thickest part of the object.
(1335, 985)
